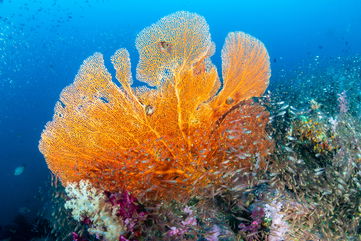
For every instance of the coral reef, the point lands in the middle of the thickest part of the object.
(190, 157)
(315, 132)
(175, 137)
(320, 185)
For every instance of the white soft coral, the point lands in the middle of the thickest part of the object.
(85, 201)
(279, 226)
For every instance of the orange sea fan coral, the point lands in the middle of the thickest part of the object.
(171, 140)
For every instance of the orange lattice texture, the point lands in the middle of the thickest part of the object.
(170, 140)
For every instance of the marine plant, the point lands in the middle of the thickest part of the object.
(181, 133)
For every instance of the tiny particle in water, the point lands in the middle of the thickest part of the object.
(19, 170)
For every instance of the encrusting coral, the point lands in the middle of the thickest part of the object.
(180, 134)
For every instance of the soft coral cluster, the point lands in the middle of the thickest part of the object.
(257, 216)
(128, 209)
(109, 216)
(185, 225)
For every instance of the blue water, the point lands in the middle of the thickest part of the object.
(43, 43)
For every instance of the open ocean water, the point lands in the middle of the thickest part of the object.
(180, 120)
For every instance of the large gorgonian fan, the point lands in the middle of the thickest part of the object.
(171, 140)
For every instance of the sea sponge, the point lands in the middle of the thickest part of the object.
(178, 135)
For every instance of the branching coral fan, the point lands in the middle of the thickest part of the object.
(174, 137)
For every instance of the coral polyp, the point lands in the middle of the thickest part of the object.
(175, 137)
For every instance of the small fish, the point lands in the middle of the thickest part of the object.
(341, 187)
(24, 210)
(243, 156)
(319, 172)
(293, 108)
(291, 138)
(170, 181)
(300, 161)
(284, 107)
(282, 113)
(326, 192)
(319, 169)
(290, 170)
(340, 180)
(19, 170)
(288, 149)
(247, 131)
(291, 158)
(292, 112)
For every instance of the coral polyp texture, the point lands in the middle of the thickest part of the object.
(178, 135)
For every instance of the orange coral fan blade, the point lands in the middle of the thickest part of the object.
(244, 135)
(245, 70)
(174, 56)
(175, 41)
(121, 63)
(93, 121)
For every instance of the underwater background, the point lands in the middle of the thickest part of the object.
(314, 48)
